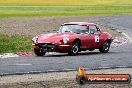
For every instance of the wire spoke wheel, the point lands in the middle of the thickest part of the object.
(74, 48)
(105, 47)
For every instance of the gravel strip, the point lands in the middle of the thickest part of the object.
(31, 26)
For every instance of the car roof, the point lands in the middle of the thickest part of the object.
(79, 23)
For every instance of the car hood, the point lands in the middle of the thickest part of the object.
(52, 37)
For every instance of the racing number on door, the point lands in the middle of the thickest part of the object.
(96, 38)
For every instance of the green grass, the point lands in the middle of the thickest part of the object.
(64, 2)
(63, 7)
(14, 43)
(64, 10)
(9, 8)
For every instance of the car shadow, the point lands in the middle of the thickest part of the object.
(79, 54)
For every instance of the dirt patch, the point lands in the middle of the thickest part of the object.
(59, 80)
(31, 26)
(63, 84)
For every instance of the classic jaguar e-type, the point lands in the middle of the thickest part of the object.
(71, 38)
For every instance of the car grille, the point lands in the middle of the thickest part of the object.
(46, 45)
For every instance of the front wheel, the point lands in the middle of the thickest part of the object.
(105, 47)
(39, 52)
(74, 49)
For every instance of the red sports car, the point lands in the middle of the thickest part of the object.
(71, 38)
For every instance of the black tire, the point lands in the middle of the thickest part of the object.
(105, 47)
(39, 52)
(74, 49)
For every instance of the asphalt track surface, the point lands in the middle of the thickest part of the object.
(117, 57)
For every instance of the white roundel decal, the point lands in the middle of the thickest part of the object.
(96, 38)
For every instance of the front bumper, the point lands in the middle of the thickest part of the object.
(52, 47)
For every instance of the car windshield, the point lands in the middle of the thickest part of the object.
(74, 28)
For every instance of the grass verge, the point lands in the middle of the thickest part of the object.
(11, 11)
(64, 2)
(14, 43)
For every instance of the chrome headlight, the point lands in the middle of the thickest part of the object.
(65, 40)
(35, 39)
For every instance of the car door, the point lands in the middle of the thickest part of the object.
(95, 36)
(84, 37)
(87, 38)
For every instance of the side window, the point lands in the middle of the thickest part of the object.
(85, 30)
(93, 29)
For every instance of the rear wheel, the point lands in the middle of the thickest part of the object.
(105, 47)
(74, 48)
(39, 52)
